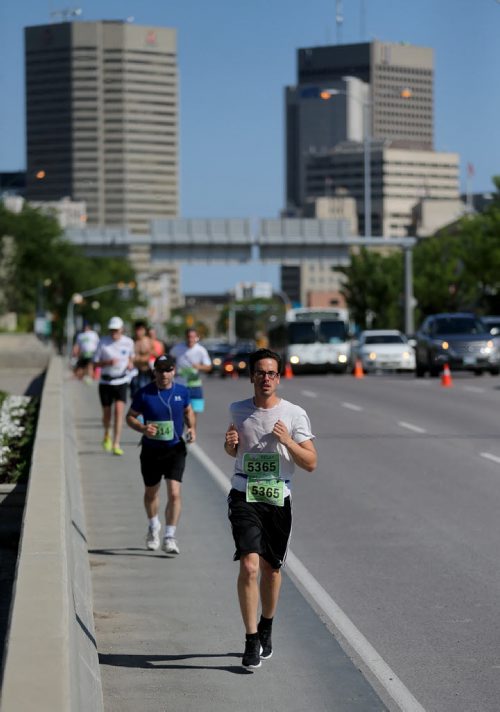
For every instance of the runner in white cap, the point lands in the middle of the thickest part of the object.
(114, 355)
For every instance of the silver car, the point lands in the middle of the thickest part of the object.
(384, 350)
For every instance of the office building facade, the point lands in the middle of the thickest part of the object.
(102, 120)
(378, 91)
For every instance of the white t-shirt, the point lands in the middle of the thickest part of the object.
(87, 343)
(185, 359)
(121, 349)
(255, 425)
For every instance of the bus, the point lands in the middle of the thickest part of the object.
(313, 339)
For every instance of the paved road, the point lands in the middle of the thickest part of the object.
(400, 523)
(168, 628)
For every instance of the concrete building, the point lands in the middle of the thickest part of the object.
(69, 213)
(379, 90)
(102, 119)
(400, 179)
(314, 282)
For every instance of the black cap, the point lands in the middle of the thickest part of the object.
(164, 363)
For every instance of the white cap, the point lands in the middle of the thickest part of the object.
(115, 323)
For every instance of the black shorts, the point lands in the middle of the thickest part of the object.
(108, 393)
(158, 462)
(83, 361)
(260, 528)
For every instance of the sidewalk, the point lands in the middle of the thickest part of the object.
(168, 628)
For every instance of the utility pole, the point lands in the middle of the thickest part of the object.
(339, 19)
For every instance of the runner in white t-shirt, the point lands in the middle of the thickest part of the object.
(114, 355)
(84, 350)
(268, 437)
(192, 359)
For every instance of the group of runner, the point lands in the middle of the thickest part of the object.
(267, 436)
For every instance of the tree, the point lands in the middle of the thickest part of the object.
(40, 254)
(373, 289)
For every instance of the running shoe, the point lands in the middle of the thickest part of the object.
(265, 641)
(251, 656)
(153, 538)
(170, 546)
(107, 444)
(117, 450)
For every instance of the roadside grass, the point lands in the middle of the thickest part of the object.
(18, 419)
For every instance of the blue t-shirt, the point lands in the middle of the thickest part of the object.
(162, 405)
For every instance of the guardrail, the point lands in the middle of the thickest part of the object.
(51, 660)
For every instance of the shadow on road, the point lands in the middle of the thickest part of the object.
(167, 662)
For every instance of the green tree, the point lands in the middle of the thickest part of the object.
(38, 255)
(373, 289)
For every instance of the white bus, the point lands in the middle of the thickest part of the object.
(313, 339)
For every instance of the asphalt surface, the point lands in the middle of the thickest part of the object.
(400, 522)
(168, 628)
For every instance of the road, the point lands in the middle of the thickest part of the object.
(400, 522)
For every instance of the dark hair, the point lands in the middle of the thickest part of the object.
(140, 323)
(259, 355)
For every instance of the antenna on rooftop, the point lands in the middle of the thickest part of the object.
(339, 19)
(66, 14)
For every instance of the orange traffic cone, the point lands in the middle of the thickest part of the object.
(446, 381)
(358, 369)
(288, 371)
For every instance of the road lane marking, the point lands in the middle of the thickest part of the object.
(351, 406)
(306, 582)
(489, 456)
(410, 426)
(309, 394)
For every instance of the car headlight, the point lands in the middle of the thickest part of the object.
(216, 362)
(372, 356)
(405, 355)
(294, 359)
(342, 358)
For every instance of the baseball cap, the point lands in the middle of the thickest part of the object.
(164, 363)
(115, 323)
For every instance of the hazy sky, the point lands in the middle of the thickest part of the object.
(235, 58)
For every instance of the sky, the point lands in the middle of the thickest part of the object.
(236, 56)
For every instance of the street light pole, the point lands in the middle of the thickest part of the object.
(367, 169)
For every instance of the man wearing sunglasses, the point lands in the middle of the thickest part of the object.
(268, 436)
(165, 408)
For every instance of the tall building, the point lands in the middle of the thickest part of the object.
(102, 120)
(379, 90)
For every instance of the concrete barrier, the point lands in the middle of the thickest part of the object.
(51, 661)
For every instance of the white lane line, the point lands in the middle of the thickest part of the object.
(309, 394)
(489, 456)
(351, 406)
(474, 389)
(410, 426)
(355, 640)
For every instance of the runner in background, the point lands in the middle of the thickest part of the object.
(143, 351)
(192, 360)
(159, 412)
(114, 355)
(158, 346)
(83, 350)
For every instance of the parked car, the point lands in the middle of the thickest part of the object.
(235, 363)
(461, 340)
(383, 349)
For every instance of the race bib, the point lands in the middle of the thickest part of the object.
(263, 484)
(165, 429)
(268, 491)
(191, 375)
(261, 464)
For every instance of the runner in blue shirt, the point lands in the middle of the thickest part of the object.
(164, 408)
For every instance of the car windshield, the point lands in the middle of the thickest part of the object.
(458, 325)
(384, 339)
(332, 332)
